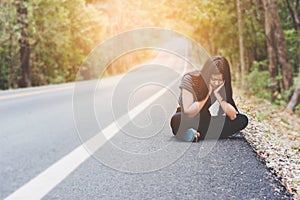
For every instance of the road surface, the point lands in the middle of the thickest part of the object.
(43, 128)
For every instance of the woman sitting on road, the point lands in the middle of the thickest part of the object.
(207, 109)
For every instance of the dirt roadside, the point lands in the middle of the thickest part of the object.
(275, 136)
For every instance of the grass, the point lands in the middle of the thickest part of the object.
(263, 115)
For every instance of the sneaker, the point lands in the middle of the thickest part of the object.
(190, 135)
(237, 135)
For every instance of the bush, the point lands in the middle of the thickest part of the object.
(258, 81)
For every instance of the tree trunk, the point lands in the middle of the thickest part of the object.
(24, 43)
(286, 68)
(241, 44)
(235, 70)
(271, 46)
(12, 83)
(295, 98)
(254, 35)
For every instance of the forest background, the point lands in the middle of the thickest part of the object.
(46, 41)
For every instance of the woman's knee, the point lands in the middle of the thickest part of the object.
(243, 120)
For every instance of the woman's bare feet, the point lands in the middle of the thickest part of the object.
(196, 137)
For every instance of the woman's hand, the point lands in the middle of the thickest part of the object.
(210, 89)
(217, 90)
(229, 110)
(217, 94)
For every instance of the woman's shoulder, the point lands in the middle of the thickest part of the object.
(195, 73)
(191, 76)
(192, 81)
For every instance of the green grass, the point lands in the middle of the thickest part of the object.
(263, 115)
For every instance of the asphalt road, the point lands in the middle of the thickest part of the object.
(142, 160)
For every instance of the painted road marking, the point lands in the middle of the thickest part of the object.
(24, 94)
(43, 183)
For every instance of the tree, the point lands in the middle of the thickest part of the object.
(294, 11)
(241, 44)
(271, 46)
(9, 47)
(295, 98)
(22, 9)
(276, 48)
(286, 68)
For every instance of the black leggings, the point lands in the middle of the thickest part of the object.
(216, 127)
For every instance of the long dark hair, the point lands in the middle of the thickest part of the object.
(201, 80)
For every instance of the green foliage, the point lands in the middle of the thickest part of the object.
(290, 34)
(263, 115)
(9, 45)
(292, 42)
(62, 33)
(258, 81)
(254, 37)
(70, 31)
(297, 108)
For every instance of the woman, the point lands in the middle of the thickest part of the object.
(207, 109)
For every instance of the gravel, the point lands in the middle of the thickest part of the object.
(276, 145)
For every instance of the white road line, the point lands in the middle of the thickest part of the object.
(43, 183)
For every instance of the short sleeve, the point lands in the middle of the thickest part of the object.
(187, 83)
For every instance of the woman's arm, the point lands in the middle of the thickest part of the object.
(229, 110)
(190, 106)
